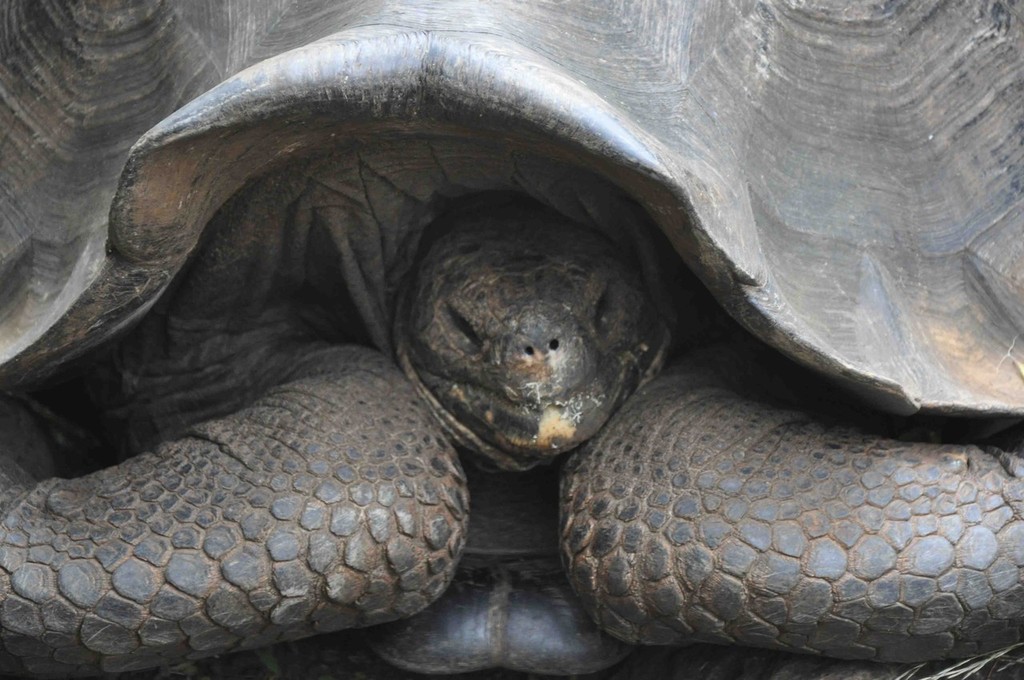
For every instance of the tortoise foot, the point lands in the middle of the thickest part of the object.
(698, 515)
(330, 502)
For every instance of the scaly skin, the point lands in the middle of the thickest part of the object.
(698, 515)
(331, 502)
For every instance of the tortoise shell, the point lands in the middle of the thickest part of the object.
(847, 181)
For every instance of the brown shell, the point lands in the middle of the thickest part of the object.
(847, 180)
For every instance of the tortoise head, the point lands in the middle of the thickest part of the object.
(524, 330)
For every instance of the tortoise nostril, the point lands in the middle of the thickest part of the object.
(553, 344)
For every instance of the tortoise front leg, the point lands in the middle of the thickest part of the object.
(698, 515)
(331, 502)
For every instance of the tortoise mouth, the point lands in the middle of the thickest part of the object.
(518, 435)
(515, 436)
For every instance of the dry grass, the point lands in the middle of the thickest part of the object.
(991, 664)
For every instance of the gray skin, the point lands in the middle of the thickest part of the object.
(328, 496)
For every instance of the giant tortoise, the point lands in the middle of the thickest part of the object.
(303, 258)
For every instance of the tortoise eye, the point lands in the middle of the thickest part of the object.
(464, 328)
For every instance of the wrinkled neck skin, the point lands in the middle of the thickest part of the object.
(525, 331)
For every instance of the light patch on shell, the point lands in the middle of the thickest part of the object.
(553, 426)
